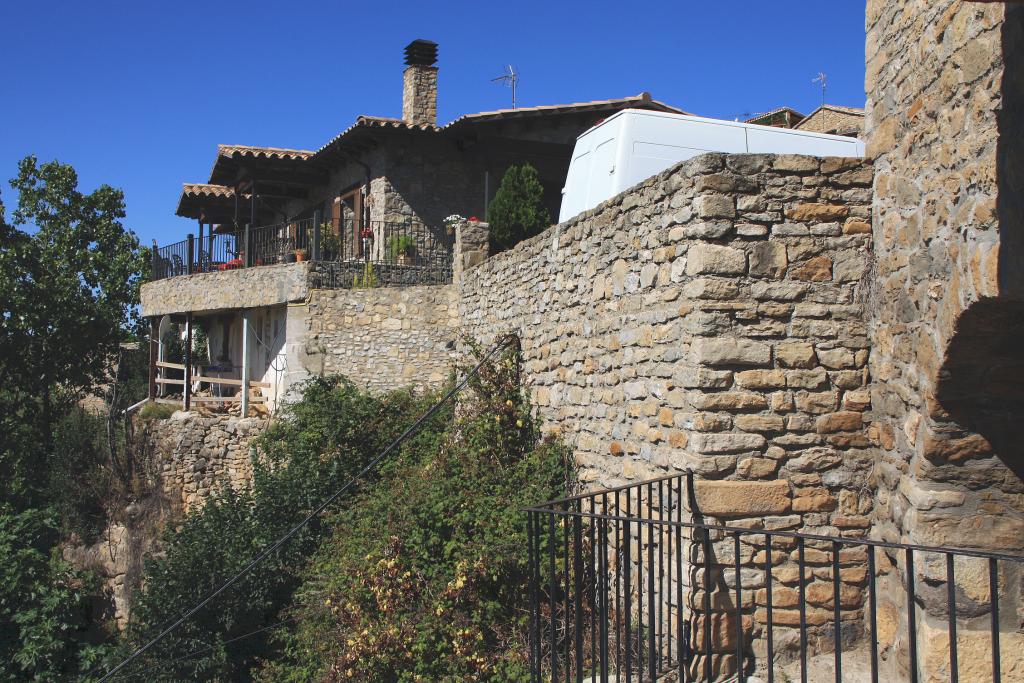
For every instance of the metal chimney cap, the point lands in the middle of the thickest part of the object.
(421, 53)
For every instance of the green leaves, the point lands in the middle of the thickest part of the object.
(517, 211)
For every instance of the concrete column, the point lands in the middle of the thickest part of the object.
(245, 363)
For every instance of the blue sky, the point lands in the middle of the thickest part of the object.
(138, 94)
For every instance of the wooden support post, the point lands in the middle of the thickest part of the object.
(245, 363)
(154, 331)
(248, 261)
(201, 263)
(188, 362)
(190, 266)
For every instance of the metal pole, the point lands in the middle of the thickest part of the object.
(153, 330)
(245, 363)
(247, 252)
(315, 251)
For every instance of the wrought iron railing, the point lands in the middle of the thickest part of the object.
(630, 584)
(346, 253)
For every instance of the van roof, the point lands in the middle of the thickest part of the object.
(705, 119)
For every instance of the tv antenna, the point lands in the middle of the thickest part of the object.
(823, 79)
(510, 79)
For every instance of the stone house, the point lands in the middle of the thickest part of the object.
(831, 118)
(368, 207)
(828, 118)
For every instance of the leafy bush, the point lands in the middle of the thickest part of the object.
(401, 245)
(517, 211)
(424, 576)
(157, 411)
(368, 279)
(318, 445)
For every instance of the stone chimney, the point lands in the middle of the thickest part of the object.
(419, 91)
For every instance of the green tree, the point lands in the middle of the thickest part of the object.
(517, 211)
(69, 277)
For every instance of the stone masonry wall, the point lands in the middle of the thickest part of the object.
(199, 452)
(379, 338)
(944, 328)
(711, 318)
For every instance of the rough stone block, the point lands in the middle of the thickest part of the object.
(817, 269)
(843, 421)
(715, 206)
(742, 498)
(725, 443)
(724, 352)
(704, 258)
(822, 213)
(768, 259)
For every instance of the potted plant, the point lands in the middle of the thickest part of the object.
(300, 255)
(450, 222)
(367, 235)
(401, 248)
(330, 243)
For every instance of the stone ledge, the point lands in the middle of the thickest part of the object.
(241, 288)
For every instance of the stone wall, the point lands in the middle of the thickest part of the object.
(381, 338)
(199, 452)
(945, 311)
(710, 318)
(240, 288)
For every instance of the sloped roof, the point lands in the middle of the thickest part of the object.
(206, 198)
(229, 155)
(643, 99)
(375, 122)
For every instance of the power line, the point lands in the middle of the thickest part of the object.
(210, 648)
(500, 344)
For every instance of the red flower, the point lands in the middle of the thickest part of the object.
(366, 232)
(474, 219)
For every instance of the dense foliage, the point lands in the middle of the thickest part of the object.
(69, 275)
(318, 444)
(427, 557)
(425, 575)
(517, 211)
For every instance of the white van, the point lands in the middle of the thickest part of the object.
(635, 144)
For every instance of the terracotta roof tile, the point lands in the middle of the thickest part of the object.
(262, 152)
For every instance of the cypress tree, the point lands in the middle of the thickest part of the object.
(517, 211)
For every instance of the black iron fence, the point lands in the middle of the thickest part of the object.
(347, 253)
(630, 584)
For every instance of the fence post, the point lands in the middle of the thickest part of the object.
(315, 251)
(190, 254)
(247, 251)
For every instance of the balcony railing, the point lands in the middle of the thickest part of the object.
(345, 253)
(630, 584)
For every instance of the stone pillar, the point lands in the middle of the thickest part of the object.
(471, 247)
